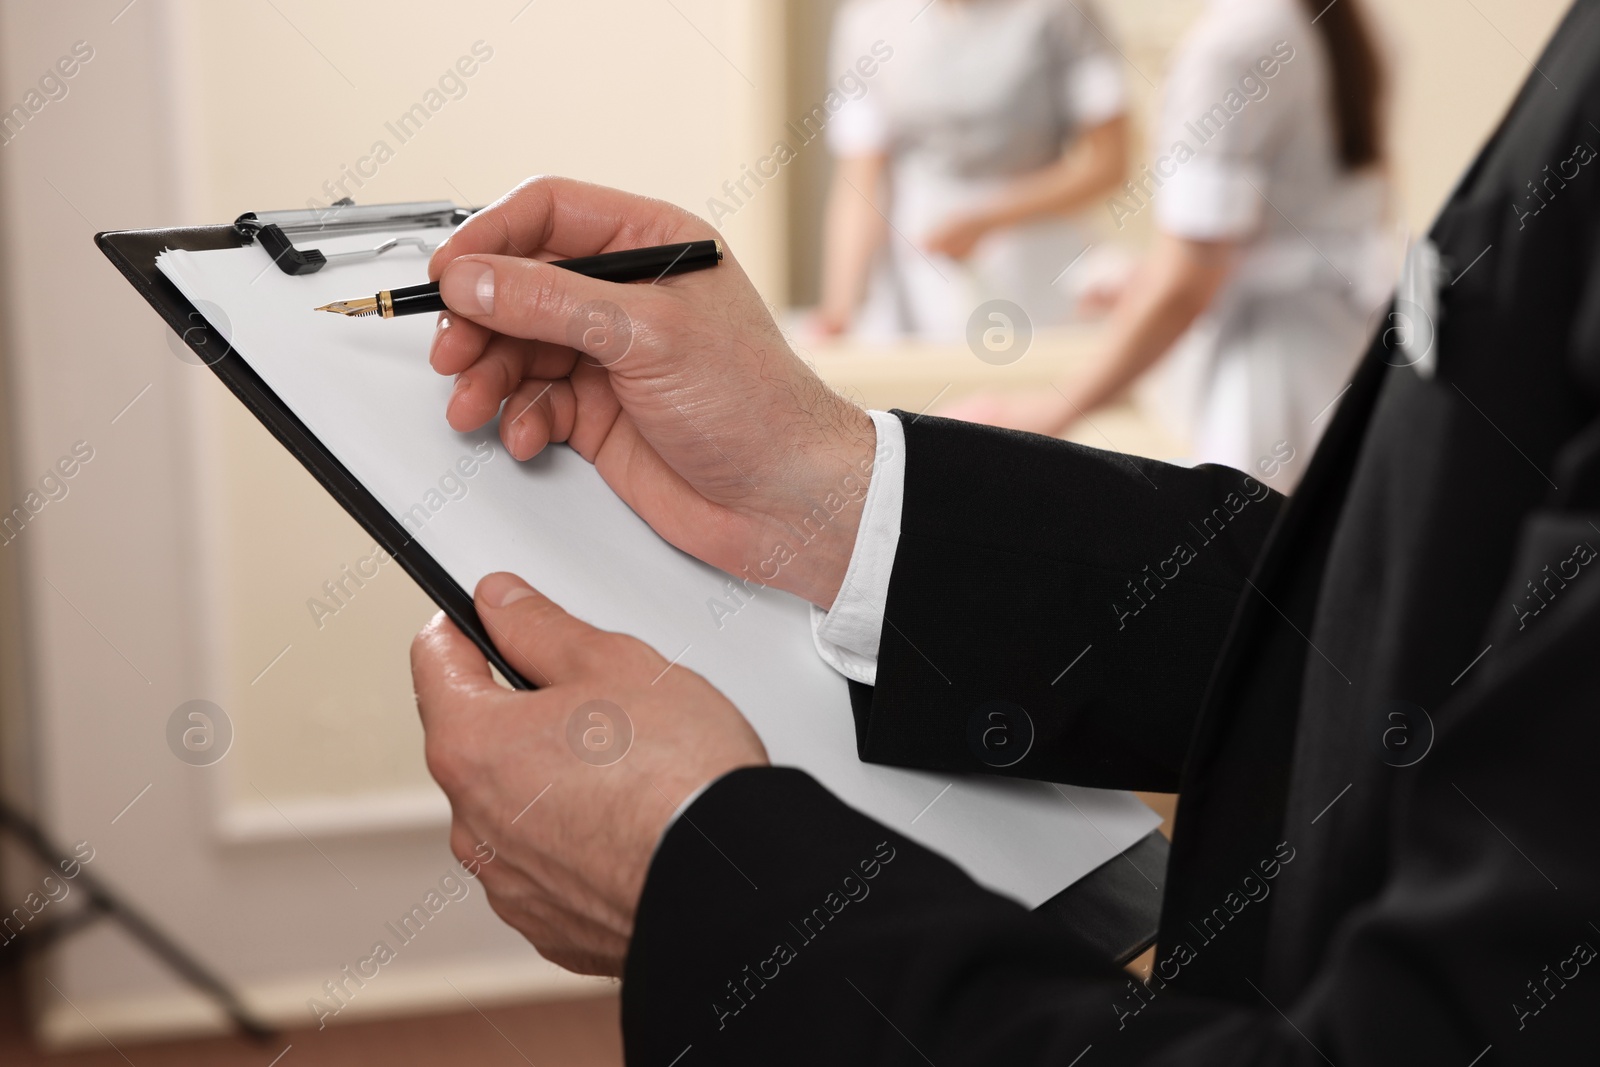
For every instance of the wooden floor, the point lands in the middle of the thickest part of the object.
(576, 1033)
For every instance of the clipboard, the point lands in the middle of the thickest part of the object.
(1113, 910)
(134, 253)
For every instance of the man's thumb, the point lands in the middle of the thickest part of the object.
(538, 638)
(534, 300)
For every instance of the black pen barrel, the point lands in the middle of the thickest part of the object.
(646, 264)
(631, 265)
(415, 299)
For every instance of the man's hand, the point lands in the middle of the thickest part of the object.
(608, 748)
(683, 394)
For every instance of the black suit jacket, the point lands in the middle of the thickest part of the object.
(1380, 703)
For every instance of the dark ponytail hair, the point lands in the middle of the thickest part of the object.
(1359, 80)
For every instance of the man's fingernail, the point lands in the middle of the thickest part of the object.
(438, 336)
(462, 383)
(469, 287)
(514, 592)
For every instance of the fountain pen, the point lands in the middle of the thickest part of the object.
(631, 265)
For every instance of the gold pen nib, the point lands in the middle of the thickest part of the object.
(353, 308)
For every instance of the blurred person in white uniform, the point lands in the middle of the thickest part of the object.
(991, 121)
(1273, 256)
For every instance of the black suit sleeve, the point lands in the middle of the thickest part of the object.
(779, 926)
(1055, 598)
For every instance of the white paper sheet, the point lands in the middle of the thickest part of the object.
(365, 389)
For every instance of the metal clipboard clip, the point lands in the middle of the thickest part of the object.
(277, 230)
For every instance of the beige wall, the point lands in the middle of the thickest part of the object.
(634, 96)
(179, 565)
(1457, 66)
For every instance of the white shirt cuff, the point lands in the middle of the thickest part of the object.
(847, 636)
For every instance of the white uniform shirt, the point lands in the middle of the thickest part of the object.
(1246, 150)
(975, 93)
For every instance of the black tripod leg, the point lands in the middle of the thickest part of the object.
(187, 967)
(104, 900)
(35, 939)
